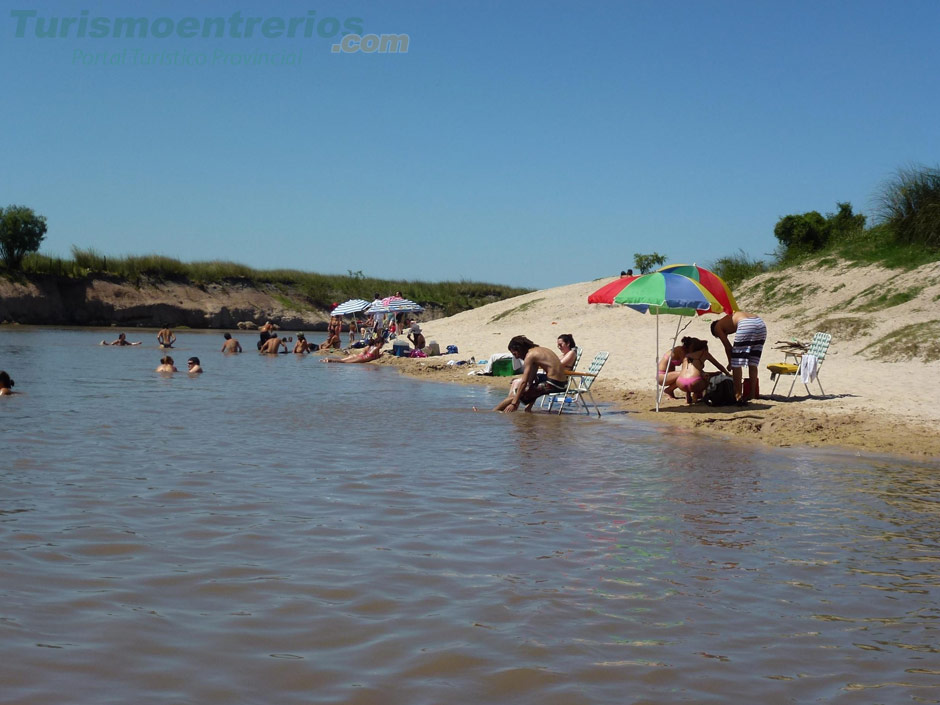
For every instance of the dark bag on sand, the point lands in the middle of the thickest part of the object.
(720, 391)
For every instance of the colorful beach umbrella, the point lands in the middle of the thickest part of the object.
(660, 293)
(710, 281)
(351, 306)
(665, 292)
(606, 294)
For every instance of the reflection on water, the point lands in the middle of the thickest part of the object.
(278, 530)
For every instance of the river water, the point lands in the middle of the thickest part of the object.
(279, 531)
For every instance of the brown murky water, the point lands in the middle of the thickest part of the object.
(281, 531)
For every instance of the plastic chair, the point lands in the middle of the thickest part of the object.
(817, 350)
(577, 358)
(579, 386)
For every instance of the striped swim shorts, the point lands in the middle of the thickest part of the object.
(748, 343)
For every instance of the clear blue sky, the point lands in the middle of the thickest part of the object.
(526, 143)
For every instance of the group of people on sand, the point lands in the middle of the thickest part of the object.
(682, 367)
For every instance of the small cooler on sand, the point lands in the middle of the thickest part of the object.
(502, 368)
(400, 348)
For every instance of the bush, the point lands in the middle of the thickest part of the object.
(734, 269)
(910, 205)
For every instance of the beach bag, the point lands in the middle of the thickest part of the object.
(720, 391)
(451, 349)
(418, 353)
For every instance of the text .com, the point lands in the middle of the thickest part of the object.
(372, 44)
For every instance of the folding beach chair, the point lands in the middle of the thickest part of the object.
(577, 358)
(579, 386)
(802, 361)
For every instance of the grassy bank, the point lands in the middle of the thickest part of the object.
(317, 290)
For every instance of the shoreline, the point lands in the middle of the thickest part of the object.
(781, 423)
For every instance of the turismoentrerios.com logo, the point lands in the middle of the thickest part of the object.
(349, 31)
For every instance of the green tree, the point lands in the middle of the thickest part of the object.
(802, 233)
(21, 232)
(646, 263)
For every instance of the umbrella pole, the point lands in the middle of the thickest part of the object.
(662, 388)
(659, 390)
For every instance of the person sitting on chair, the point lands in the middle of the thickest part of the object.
(534, 358)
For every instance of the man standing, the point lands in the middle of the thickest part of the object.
(534, 358)
(750, 334)
(231, 345)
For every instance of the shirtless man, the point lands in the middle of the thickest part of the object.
(534, 358)
(272, 345)
(750, 333)
(193, 366)
(231, 345)
(121, 340)
(165, 338)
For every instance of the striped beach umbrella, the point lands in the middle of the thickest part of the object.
(351, 306)
(710, 281)
(394, 304)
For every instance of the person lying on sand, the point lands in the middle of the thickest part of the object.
(534, 358)
(373, 352)
(121, 340)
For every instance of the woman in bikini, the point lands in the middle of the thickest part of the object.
(373, 352)
(692, 378)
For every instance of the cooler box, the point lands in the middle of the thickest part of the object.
(400, 348)
(502, 367)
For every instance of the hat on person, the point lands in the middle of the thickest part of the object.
(415, 327)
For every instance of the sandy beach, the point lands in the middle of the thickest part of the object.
(880, 395)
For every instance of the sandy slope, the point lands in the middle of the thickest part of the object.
(878, 405)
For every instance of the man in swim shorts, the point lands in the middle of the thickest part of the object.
(750, 334)
(165, 338)
(534, 358)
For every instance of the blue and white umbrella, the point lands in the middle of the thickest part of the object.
(394, 304)
(351, 306)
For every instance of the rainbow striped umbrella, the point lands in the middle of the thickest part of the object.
(664, 292)
(710, 281)
(659, 293)
(606, 294)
